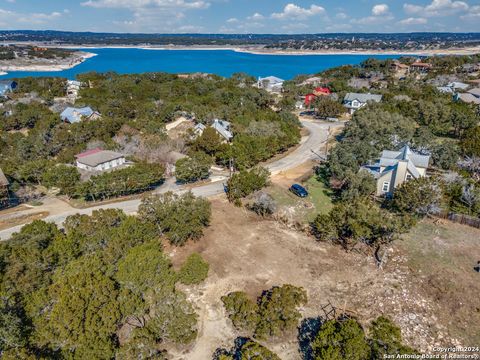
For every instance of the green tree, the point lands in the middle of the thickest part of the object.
(358, 185)
(194, 270)
(145, 267)
(64, 177)
(177, 217)
(241, 310)
(386, 339)
(340, 340)
(277, 310)
(445, 155)
(13, 329)
(209, 142)
(419, 197)
(326, 107)
(470, 143)
(172, 317)
(246, 182)
(360, 220)
(194, 168)
(83, 311)
(141, 345)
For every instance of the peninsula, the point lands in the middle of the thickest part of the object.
(39, 58)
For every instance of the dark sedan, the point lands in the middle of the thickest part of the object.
(299, 190)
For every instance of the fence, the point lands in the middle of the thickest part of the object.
(461, 219)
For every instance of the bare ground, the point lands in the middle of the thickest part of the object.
(250, 254)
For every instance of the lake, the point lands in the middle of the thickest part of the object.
(220, 62)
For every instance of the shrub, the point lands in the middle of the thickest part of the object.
(64, 177)
(192, 169)
(263, 204)
(194, 270)
(246, 182)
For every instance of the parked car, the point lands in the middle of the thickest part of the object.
(299, 190)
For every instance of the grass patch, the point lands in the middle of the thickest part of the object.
(319, 200)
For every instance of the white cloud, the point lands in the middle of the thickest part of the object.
(380, 9)
(437, 8)
(10, 17)
(232, 20)
(292, 11)
(341, 16)
(473, 13)
(372, 20)
(413, 21)
(139, 4)
(380, 14)
(257, 16)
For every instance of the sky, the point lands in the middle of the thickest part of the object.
(241, 16)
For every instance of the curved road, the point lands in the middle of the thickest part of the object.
(318, 134)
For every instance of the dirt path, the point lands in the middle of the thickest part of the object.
(250, 254)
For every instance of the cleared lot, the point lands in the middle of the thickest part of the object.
(251, 254)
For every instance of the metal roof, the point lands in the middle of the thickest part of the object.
(74, 115)
(363, 98)
(98, 157)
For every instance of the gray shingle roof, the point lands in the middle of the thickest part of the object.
(389, 158)
(363, 98)
(100, 157)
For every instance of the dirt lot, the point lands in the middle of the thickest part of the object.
(251, 254)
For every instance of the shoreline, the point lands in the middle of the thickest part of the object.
(78, 59)
(260, 50)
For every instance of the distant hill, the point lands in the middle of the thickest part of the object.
(441, 40)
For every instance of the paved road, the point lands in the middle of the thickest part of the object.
(318, 133)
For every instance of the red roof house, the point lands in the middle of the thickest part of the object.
(309, 98)
(322, 91)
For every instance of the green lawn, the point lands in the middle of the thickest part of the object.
(305, 210)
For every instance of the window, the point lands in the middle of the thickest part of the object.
(386, 186)
(409, 177)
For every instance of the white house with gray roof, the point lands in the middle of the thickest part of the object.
(396, 167)
(355, 101)
(99, 160)
(222, 127)
(270, 83)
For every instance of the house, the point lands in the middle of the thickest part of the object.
(322, 91)
(99, 160)
(75, 115)
(3, 182)
(73, 87)
(399, 69)
(309, 99)
(270, 83)
(7, 86)
(222, 128)
(445, 90)
(355, 101)
(455, 85)
(315, 81)
(396, 167)
(421, 67)
(472, 96)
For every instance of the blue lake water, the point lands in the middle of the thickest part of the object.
(220, 62)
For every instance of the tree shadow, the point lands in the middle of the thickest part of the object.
(307, 331)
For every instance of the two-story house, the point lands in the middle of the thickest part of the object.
(396, 167)
(355, 101)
